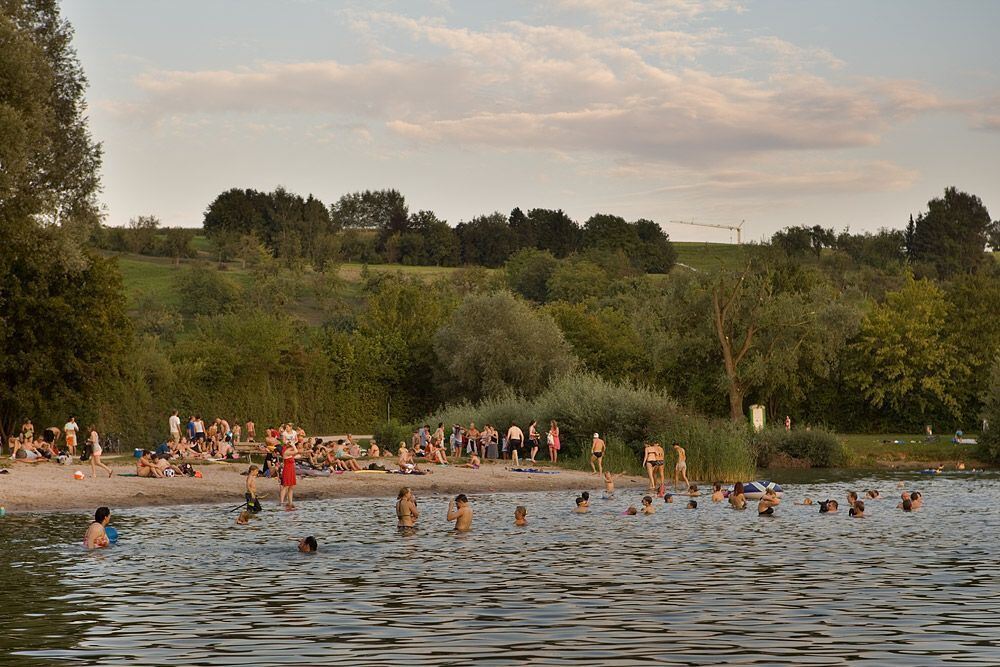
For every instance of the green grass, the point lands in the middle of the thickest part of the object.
(708, 256)
(868, 449)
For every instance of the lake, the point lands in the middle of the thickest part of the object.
(185, 586)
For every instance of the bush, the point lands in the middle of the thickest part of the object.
(622, 413)
(989, 442)
(818, 448)
(390, 433)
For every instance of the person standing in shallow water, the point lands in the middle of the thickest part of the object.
(406, 510)
(96, 536)
(460, 512)
(288, 454)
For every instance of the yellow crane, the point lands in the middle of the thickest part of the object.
(738, 228)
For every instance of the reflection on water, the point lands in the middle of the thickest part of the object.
(708, 586)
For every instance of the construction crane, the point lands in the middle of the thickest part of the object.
(738, 228)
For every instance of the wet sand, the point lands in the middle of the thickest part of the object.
(51, 487)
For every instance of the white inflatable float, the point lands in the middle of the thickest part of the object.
(755, 490)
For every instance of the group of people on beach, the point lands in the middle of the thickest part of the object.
(487, 443)
(57, 445)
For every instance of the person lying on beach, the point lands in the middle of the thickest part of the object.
(581, 506)
(96, 537)
(737, 500)
(162, 461)
(308, 545)
(718, 495)
(858, 511)
(829, 507)
(767, 503)
(406, 509)
(460, 512)
(473, 462)
(647, 505)
(692, 505)
(520, 515)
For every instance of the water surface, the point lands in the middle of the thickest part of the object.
(709, 586)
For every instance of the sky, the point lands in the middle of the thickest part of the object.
(841, 113)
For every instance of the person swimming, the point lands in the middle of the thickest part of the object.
(873, 494)
(631, 511)
(806, 501)
(647, 505)
(96, 537)
(692, 505)
(693, 491)
(581, 505)
(858, 511)
(852, 498)
(767, 503)
(520, 515)
(917, 499)
(243, 519)
(668, 498)
(460, 512)
(737, 499)
(406, 511)
(586, 498)
(308, 545)
(907, 505)
(829, 507)
(718, 495)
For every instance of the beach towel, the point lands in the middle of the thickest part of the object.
(535, 471)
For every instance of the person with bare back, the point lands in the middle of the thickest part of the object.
(680, 468)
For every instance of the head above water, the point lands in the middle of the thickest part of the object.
(907, 505)
(102, 515)
(461, 499)
(308, 544)
(692, 504)
(631, 511)
(647, 500)
(520, 511)
(579, 501)
(585, 495)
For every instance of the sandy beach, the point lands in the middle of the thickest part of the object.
(51, 487)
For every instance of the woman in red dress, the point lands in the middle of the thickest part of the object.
(288, 456)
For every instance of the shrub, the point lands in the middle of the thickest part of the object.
(622, 413)
(390, 433)
(818, 448)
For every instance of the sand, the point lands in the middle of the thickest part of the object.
(51, 487)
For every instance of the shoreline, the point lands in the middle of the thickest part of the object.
(45, 487)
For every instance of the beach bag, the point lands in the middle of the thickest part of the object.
(550, 439)
(85, 451)
(187, 469)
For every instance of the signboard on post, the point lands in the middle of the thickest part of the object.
(757, 418)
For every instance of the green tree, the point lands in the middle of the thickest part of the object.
(990, 440)
(177, 243)
(654, 252)
(974, 330)
(575, 280)
(142, 233)
(486, 240)
(605, 341)
(203, 290)
(554, 231)
(951, 236)
(528, 272)
(495, 343)
(903, 360)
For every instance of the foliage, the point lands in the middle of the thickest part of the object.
(528, 272)
(583, 403)
(816, 447)
(803, 240)
(989, 441)
(486, 240)
(496, 341)
(605, 340)
(951, 236)
(576, 280)
(204, 291)
(389, 434)
(903, 361)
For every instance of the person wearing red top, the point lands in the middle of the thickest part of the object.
(288, 455)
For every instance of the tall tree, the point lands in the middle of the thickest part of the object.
(951, 236)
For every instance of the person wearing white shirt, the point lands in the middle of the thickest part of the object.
(71, 429)
(175, 428)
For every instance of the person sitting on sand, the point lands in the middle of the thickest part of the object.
(767, 503)
(581, 506)
(858, 511)
(308, 545)
(609, 484)
(520, 515)
(96, 537)
(460, 512)
(406, 510)
(373, 451)
(340, 452)
(737, 500)
(718, 495)
(225, 450)
(436, 454)
(692, 505)
(145, 467)
(474, 462)
(25, 451)
(647, 505)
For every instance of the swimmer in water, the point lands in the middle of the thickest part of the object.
(609, 485)
(586, 498)
(903, 497)
(460, 512)
(829, 507)
(581, 505)
(907, 505)
(406, 511)
(693, 491)
(858, 511)
(806, 501)
(873, 494)
(852, 497)
(96, 537)
(668, 498)
(917, 499)
(520, 515)
(718, 495)
(647, 505)
(631, 511)
(737, 500)
(692, 505)
(243, 519)
(767, 503)
(308, 545)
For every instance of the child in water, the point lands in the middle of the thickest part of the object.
(718, 495)
(767, 503)
(243, 519)
(858, 511)
(692, 505)
(647, 505)
(609, 485)
(586, 498)
(668, 498)
(631, 511)
(520, 515)
(581, 506)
